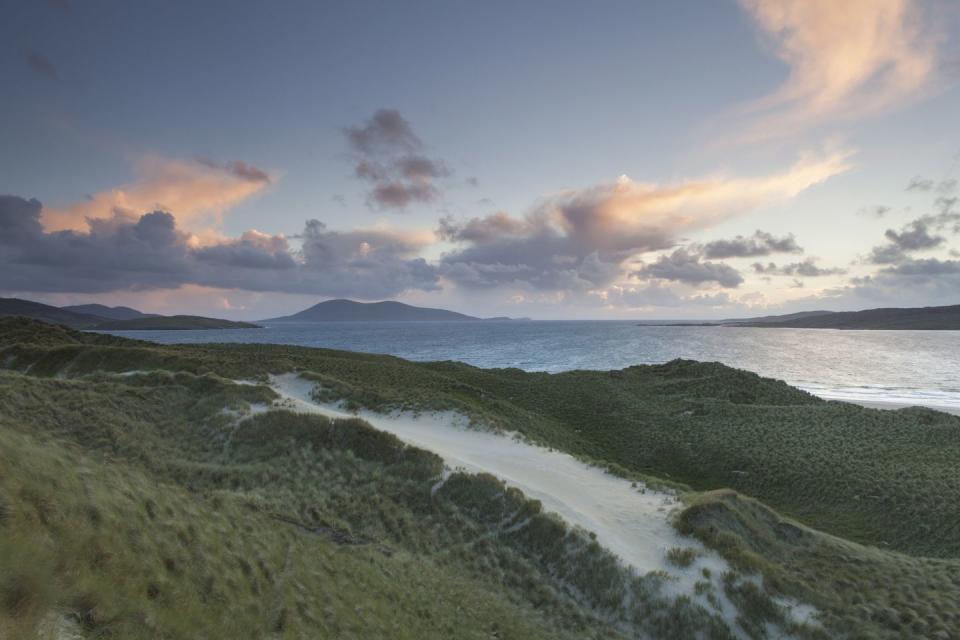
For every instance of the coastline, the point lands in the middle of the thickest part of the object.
(893, 405)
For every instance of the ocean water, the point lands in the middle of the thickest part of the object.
(909, 367)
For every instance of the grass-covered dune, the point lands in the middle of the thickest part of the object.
(154, 485)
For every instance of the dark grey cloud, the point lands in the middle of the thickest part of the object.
(915, 236)
(41, 64)
(924, 267)
(386, 130)
(806, 268)
(876, 211)
(945, 186)
(918, 183)
(887, 254)
(760, 243)
(149, 252)
(571, 242)
(911, 283)
(686, 267)
(918, 235)
(389, 157)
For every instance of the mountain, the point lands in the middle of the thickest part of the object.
(48, 313)
(929, 318)
(172, 323)
(350, 311)
(111, 313)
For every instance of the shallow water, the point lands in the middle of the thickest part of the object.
(908, 367)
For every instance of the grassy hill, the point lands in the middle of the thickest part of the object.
(111, 313)
(924, 318)
(220, 523)
(30, 309)
(172, 323)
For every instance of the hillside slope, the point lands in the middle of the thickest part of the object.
(110, 313)
(171, 430)
(172, 323)
(48, 313)
(925, 318)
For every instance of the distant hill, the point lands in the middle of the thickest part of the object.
(929, 318)
(787, 317)
(348, 310)
(172, 323)
(75, 317)
(111, 313)
(48, 313)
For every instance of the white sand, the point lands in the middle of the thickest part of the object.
(633, 523)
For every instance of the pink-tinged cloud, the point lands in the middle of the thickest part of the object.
(846, 59)
(199, 191)
(150, 252)
(579, 239)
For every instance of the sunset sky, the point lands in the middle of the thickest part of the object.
(691, 159)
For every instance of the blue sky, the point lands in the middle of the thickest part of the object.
(498, 133)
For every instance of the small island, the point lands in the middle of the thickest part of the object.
(341, 310)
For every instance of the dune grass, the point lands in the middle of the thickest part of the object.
(155, 505)
(885, 478)
(882, 485)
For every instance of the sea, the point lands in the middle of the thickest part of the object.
(892, 367)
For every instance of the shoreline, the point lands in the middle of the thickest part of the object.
(892, 405)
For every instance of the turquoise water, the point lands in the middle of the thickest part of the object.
(916, 367)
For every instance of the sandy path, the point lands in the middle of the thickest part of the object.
(632, 522)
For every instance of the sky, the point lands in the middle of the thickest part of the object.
(546, 159)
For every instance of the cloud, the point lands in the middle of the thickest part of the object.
(579, 239)
(917, 235)
(655, 294)
(389, 157)
(844, 62)
(876, 211)
(920, 184)
(386, 130)
(41, 64)
(807, 268)
(149, 252)
(911, 283)
(200, 191)
(683, 266)
(944, 187)
(760, 243)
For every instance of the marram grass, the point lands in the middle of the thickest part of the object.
(147, 505)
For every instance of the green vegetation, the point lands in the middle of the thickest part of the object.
(155, 505)
(172, 323)
(343, 516)
(927, 318)
(863, 592)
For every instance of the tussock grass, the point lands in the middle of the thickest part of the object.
(859, 591)
(883, 485)
(160, 516)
